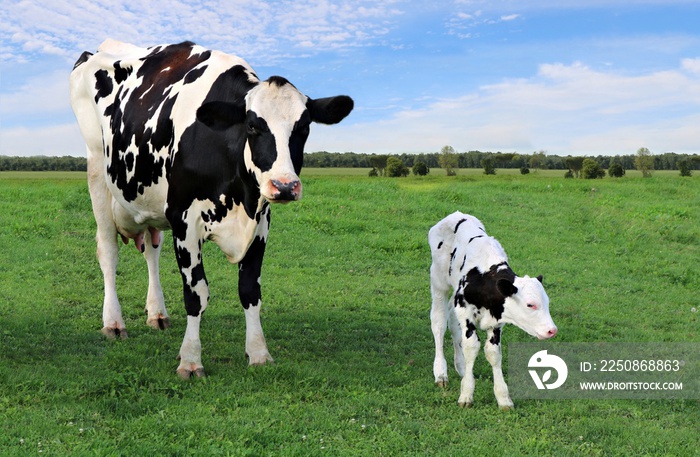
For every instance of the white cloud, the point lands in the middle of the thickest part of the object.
(253, 27)
(564, 109)
(44, 95)
(57, 140)
(691, 65)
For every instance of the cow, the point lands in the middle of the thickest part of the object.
(188, 139)
(473, 286)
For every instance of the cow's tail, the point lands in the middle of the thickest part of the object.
(82, 59)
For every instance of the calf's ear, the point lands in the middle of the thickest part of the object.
(330, 110)
(539, 278)
(506, 287)
(221, 115)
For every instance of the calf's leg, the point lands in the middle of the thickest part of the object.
(439, 313)
(492, 350)
(470, 349)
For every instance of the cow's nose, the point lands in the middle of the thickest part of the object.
(552, 332)
(286, 190)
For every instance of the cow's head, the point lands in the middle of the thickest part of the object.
(277, 118)
(527, 306)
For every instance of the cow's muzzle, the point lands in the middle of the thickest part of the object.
(285, 191)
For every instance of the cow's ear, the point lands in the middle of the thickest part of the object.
(540, 278)
(330, 110)
(221, 115)
(506, 287)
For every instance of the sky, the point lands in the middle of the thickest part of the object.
(571, 77)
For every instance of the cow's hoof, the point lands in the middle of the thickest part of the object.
(260, 359)
(159, 322)
(465, 404)
(186, 374)
(506, 407)
(114, 332)
(442, 383)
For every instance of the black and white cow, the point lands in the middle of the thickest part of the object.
(180, 137)
(473, 286)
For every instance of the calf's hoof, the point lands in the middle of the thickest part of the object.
(260, 359)
(442, 383)
(465, 404)
(114, 332)
(158, 322)
(506, 407)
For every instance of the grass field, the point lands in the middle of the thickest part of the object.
(346, 315)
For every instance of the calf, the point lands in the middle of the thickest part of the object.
(485, 292)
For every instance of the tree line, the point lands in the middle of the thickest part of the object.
(475, 159)
(43, 163)
(471, 159)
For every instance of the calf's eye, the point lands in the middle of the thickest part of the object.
(531, 306)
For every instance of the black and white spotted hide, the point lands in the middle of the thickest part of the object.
(473, 288)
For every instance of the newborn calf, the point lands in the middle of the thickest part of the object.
(485, 293)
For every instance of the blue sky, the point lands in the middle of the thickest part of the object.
(581, 77)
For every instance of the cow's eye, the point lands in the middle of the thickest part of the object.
(531, 306)
(256, 129)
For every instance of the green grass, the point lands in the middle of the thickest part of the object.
(346, 301)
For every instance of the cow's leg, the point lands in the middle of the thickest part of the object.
(249, 269)
(155, 304)
(188, 252)
(470, 349)
(492, 350)
(439, 313)
(107, 251)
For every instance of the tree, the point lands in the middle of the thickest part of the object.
(575, 164)
(449, 160)
(395, 168)
(644, 162)
(379, 163)
(537, 160)
(487, 163)
(420, 168)
(616, 170)
(684, 167)
(591, 169)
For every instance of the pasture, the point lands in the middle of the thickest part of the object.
(346, 315)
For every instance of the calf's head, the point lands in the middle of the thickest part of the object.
(527, 306)
(277, 118)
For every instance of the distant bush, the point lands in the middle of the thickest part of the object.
(591, 169)
(489, 168)
(420, 168)
(524, 170)
(616, 170)
(373, 173)
(569, 174)
(684, 167)
(395, 168)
